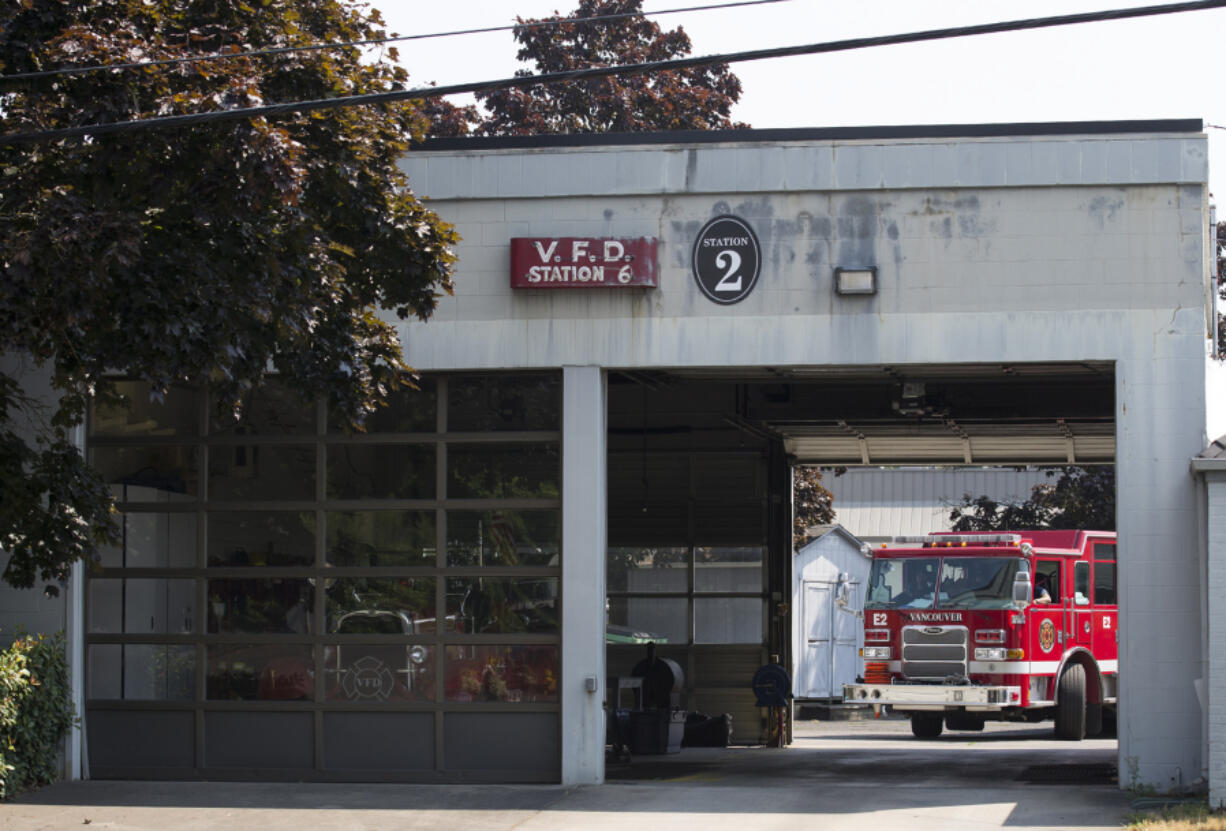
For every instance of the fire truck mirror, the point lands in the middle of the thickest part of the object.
(1021, 588)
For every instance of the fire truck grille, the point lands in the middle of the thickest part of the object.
(934, 652)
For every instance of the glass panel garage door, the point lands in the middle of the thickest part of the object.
(291, 600)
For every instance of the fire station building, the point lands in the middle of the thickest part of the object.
(648, 332)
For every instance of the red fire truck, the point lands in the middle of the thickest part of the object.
(963, 628)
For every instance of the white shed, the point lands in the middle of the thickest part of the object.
(825, 639)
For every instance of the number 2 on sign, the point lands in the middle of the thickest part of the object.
(730, 261)
(879, 618)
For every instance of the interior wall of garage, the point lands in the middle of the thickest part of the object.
(1043, 245)
(698, 543)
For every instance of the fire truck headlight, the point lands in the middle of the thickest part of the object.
(990, 654)
(880, 653)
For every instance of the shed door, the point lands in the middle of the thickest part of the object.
(846, 654)
(829, 659)
(817, 665)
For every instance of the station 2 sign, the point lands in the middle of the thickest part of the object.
(726, 260)
(583, 262)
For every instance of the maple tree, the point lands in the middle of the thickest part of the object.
(203, 254)
(699, 98)
(1080, 498)
(812, 504)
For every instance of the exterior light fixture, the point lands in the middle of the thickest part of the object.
(855, 280)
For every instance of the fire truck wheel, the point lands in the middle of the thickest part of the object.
(1094, 718)
(1071, 704)
(926, 725)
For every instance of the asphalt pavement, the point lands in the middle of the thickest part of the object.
(863, 775)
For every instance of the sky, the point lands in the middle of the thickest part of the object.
(1155, 67)
(1168, 66)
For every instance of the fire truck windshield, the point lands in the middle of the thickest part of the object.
(949, 582)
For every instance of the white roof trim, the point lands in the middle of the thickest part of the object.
(820, 531)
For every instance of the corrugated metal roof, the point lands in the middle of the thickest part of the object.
(1053, 442)
(875, 503)
(1216, 450)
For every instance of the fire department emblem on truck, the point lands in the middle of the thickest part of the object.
(1047, 635)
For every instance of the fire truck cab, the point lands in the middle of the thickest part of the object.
(964, 628)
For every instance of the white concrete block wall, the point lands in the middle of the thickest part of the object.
(584, 509)
(1160, 423)
(33, 609)
(1215, 483)
(28, 609)
(988, 250)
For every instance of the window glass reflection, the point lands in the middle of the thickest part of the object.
(370, 673)
(159, 672)
(159, 607)
(731, 569)
(516, 674)
(728, 620)
(649, 569)
(381, 538)
(261, 538)
(644, 619)
(176, 414)
(105, 611)
(502, 604)
(903, 584)
(479, 403)
(105, 670)
(503, 538)
(1081, 583)
(154, 541)
(503, 471)
(407, 411)
(262, 472)
(260, 606)
(1104, 583)
(142, 606)
(149, 672)
(147, 474)
(380, 606)
(270, 410)
(381, 471)
(263, 672)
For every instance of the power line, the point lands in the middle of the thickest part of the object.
(602, 72)
(281, 50)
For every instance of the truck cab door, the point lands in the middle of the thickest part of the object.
(1082, 616)
(1047, 621)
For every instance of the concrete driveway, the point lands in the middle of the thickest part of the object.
(837, 775)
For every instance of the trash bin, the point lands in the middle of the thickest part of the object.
(656, 732)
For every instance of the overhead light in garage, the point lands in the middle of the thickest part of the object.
(855, 280)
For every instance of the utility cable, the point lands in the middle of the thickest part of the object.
(602, 72)
(281, 50)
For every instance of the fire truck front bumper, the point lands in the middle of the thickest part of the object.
(933, 696)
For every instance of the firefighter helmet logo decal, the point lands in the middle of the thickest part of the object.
(367, 678)
(1047, 635)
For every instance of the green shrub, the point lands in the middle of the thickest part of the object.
(35, 711)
